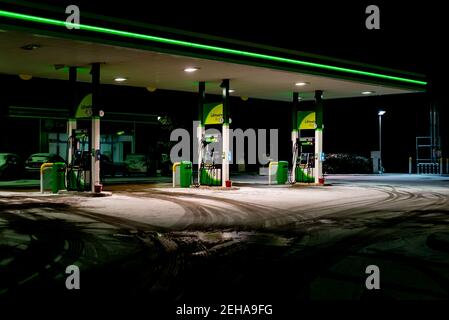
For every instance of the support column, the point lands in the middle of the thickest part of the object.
(295, 135)
(133, 145)
(200, 132)
(319, 136)
(71, 125)
(225, 133)
(71, 122)
(95, 132)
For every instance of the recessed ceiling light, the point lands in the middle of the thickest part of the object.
(120, 79)
(368, 92)
(31, 46)
(191, 69)
(301, 84)
(25, 76)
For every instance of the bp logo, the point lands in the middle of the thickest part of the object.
(84, 109)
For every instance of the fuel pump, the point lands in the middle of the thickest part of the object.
(78, 170)
(295, 150)
(306, 163)
(302, 160)
(303, 145)
(210, 171)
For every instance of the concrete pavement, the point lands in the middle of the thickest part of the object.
(292, 242)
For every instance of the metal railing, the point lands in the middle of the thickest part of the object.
(428, 168)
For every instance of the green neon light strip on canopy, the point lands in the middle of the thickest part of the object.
(126, 34)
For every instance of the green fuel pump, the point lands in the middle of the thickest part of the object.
(210, 171)
(78, 170)
(305, 165)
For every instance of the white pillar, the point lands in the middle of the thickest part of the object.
(410, 161)
(225, 155)
(318, 154)
(295, 135)
(200, 132)
(95, 163)
(133, 144)
(71, 125)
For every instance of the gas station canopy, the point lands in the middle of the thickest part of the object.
(44, 47)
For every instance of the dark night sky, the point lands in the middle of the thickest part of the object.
(410, 32)
(412, 37)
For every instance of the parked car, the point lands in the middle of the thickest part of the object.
(11, 166)
(109, 168)
(138, 163)
(35, 161)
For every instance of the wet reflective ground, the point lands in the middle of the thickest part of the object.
(232, 246)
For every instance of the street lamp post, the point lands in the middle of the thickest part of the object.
(380, 114)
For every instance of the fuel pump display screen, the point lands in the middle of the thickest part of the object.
(307, 141)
